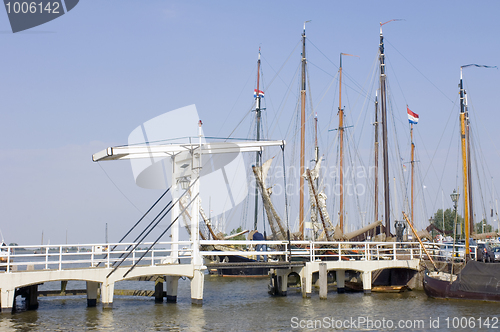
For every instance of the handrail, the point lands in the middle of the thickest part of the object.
(60, 257)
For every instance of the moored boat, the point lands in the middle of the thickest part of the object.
(476, 281)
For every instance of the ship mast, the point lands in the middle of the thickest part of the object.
(257, 158)
(464, 164)
(469, 167)
(376, 158)
(302, 134)
(384, 135)
(412, 171)
(341, 140)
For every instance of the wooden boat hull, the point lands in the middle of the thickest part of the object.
(443, 289)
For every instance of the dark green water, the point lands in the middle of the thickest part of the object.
(244, 305)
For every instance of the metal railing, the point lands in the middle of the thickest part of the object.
(316, 251)
(59, 257)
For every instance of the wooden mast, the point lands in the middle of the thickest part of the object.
(469, 167)
(376, 159)
(412, 172)
(257, 158)
(387, 210)
(341, 157)
(464, 165)
(302, 134)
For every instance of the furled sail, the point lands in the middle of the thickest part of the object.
(260, 173)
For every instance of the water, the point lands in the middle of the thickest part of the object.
(238, 304)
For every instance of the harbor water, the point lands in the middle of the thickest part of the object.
(242, 304)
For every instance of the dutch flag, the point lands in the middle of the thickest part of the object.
(261, 93)
(412, 117)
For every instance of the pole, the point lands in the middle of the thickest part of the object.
(412, 173)
(376, 159)
(302, 134)
(384, 137)
(257, 157)
(464, 165)
(341, 140)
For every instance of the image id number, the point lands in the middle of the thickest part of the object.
(32, 7)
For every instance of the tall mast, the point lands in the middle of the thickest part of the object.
(257, 157)
(412, 220)
(302, 133)
(316, 147)
(376, 158)
(464, 164)
(469, 167)
(387, 211)
(341, 140)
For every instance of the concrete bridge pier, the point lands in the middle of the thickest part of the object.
(323, 281)
(306, 281)
(197, 283)
(7, 300)
(92, 287)
(340, 276)
(172, 284)
(159, 289)
(31, 297)
(367, 282)
(107, 292)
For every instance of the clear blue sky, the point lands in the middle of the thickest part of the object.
(83, 82)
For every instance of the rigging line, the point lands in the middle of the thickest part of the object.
(420, 72)
(236, 101)
(474, 149)
(337, 67)
(156, 224)
(445, 162)
(393, 72)
(121, 192)
(442, 135)
(283, 65)
(161, 235)
(277, 116)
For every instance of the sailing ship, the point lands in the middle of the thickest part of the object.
(476, 280)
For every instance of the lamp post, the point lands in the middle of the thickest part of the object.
(454, 198)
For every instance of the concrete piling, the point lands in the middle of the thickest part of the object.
(323, 283)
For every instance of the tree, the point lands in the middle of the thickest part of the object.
(449, 220)
(479, 227)
(239, 237)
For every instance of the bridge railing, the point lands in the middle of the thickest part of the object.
(325, 250)
(59, 257)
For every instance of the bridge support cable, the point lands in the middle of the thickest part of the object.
(161, 235)
(139, 221)
(147, 227)
(153, 227)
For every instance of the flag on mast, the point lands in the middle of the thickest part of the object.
(261, 93)
(412, 117)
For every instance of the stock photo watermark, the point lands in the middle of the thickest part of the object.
(24, 15)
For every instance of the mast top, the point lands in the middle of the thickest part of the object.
(305, 26)
(259, 53)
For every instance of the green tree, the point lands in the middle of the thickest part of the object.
(239, 237)
(449, 220)
(479, 227)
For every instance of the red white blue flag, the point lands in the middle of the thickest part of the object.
(261, 93)
(412, 117)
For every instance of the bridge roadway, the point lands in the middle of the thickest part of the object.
(28, 266)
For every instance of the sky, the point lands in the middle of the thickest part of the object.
(82, 82)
